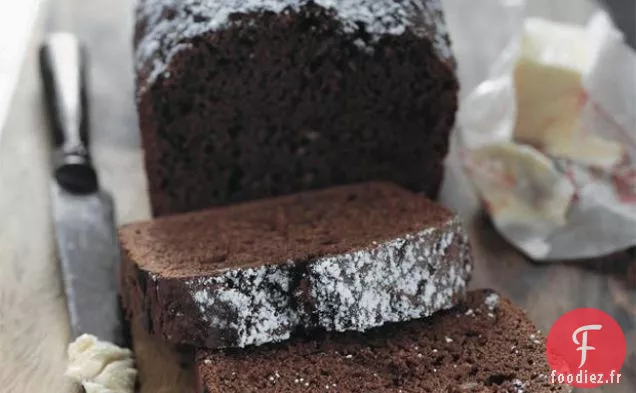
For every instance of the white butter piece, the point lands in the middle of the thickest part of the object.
(101, 367)
(589, 150)
(521, 185)
(549, 82)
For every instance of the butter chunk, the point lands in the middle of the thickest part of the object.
(101, 367)
(521, 185)
(549, 83)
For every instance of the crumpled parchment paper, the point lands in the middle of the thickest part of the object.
(571, 198)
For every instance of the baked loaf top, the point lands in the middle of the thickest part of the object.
(485, 345)
(165, 26)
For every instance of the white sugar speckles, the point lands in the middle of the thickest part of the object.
(252, 304)
(433, 15)
(491, 301)
(159, 66)
(406, 278)
(165, 25)
(519, 386)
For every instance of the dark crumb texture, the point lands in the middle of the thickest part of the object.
(485, 345)
(266, 103)
(296, 227)
(345, 258)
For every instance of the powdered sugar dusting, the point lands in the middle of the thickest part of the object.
(399, 280)
(491, 301)
(433, 15)
(254, 303)
(519, 386)
(167, 25)
(405, 278)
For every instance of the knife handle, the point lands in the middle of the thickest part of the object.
(62, 67)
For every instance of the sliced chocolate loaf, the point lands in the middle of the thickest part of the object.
(346, 258)
(242, 100)
(484, 345)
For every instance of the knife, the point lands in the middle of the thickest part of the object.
(83, 214)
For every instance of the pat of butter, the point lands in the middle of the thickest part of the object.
(521, 185)
(549, 82)
(101, 367)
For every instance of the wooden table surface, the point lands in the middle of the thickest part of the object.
(33, 328)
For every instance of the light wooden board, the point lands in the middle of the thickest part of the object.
(33, 319)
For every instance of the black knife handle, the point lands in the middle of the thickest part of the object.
(62, 65)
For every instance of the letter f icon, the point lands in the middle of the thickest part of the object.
(584, 348)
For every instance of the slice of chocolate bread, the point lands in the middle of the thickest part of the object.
(485, 345)
(346, 258)
(241, 100)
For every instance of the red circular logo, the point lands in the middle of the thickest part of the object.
(586, 348)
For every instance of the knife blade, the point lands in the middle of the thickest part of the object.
(83, 213)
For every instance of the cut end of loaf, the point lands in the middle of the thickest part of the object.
(276, 103)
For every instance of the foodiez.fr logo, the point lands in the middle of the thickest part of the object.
(586, 348)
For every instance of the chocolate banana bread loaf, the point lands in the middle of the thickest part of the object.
(485, 345)
(341, 259)
(241, 100)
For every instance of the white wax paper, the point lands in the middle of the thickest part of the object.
(564, 209)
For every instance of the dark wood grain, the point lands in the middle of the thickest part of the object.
(548, 291)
